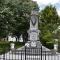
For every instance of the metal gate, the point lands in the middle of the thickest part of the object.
(33, 53)
(41, 54)
(29, 54)
(24, 54)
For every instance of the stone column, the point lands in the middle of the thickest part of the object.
(33, 32)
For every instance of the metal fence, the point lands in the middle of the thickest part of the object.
(29, 54)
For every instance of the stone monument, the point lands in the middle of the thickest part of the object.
(33, 32)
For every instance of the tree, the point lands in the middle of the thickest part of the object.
(23, 18)
(16, 14)
(3, 26)
(50, 17)
(49, 21)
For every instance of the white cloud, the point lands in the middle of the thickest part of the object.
(58, 11)
(47, 1)
(59, 2)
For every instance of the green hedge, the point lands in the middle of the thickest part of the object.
(50, 45)
(5, 46)
(59, 46)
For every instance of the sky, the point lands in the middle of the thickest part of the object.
(43, 3)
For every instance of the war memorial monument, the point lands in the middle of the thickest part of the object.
(33, 32)
(33, 49)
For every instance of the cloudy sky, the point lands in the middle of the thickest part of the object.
(43, 3)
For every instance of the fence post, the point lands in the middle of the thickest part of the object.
(4, 55)
(25, 52)
(21, 54)
(45, 55)
(41, 52)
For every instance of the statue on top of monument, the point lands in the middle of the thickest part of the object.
(33, 32)
(34, 20)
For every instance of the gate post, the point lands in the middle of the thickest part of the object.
(41, 52)
(45, 55)
(4, 55)
(25, 52)
(21, 54)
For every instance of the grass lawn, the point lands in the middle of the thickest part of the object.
(5, 46)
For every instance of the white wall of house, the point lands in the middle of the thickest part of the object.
(10, 38)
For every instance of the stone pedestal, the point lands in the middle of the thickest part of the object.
(33, 44)
(12, 46)
(33, 35)
(56, 47)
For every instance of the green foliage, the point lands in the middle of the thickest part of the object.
(59, 46)
(5, 46)
(47, 35)
(58, 32)
(49, 21)
(47, 40)
(15, 16)
(49, 18)
(22, 16)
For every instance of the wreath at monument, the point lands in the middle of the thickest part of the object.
(33, 21)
